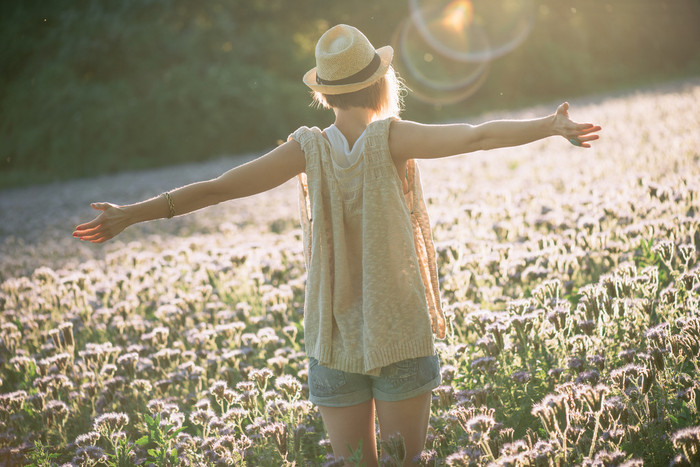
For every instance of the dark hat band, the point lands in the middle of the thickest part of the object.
(358, 77)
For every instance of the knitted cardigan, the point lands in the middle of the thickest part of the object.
(372, 294)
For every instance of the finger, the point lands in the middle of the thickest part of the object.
(94, 238)
(100, 206)
(86, 230)
(585, 144)
(88, 226)
(87, 234)
(78, 232)
(582, 142)
(84, 235)
(563, 108)
(588, 129)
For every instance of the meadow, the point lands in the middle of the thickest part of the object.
(569, 277)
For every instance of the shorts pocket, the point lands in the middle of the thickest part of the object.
(324, 381)
(407, 378)
(400, 372)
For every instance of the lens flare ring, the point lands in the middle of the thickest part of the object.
(445, 46)
(416, 73)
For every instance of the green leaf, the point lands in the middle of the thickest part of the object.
(142, 441)
(149, 421)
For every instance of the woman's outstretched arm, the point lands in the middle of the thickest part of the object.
(262, 174)
(410, 140)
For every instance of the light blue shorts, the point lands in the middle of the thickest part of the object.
(401, 380)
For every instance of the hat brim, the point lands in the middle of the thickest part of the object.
(385, 53)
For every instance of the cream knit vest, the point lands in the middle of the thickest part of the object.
(372, 294)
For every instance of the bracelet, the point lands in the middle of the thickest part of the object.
(171, 205)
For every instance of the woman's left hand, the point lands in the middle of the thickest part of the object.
(578, 134)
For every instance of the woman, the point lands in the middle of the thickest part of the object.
(372, 306)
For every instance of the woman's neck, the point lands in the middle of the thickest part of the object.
(353, 118)
(352, 122)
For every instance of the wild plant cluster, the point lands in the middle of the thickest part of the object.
(570, 280)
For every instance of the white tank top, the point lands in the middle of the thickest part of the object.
(341, 152)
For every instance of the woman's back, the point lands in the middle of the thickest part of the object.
(365, 289)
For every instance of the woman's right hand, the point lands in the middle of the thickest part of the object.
(108, 224)
(578, 134)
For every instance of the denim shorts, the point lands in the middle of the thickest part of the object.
(401, 380)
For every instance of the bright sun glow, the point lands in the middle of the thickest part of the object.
(458, 14)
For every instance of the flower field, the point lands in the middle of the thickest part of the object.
(570, 278)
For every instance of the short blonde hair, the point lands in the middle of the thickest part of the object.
(385, 97)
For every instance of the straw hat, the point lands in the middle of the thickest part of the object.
(346, 62)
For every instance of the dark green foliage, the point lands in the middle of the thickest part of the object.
(159, 441)
(92, 87)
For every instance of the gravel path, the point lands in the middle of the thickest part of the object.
(29, 211)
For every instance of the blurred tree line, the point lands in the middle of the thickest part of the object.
(91, 87)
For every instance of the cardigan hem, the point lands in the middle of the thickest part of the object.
(375, 359)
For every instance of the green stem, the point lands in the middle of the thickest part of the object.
(487, 449)
(597, 427)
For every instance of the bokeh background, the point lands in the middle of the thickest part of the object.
(99, 87)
